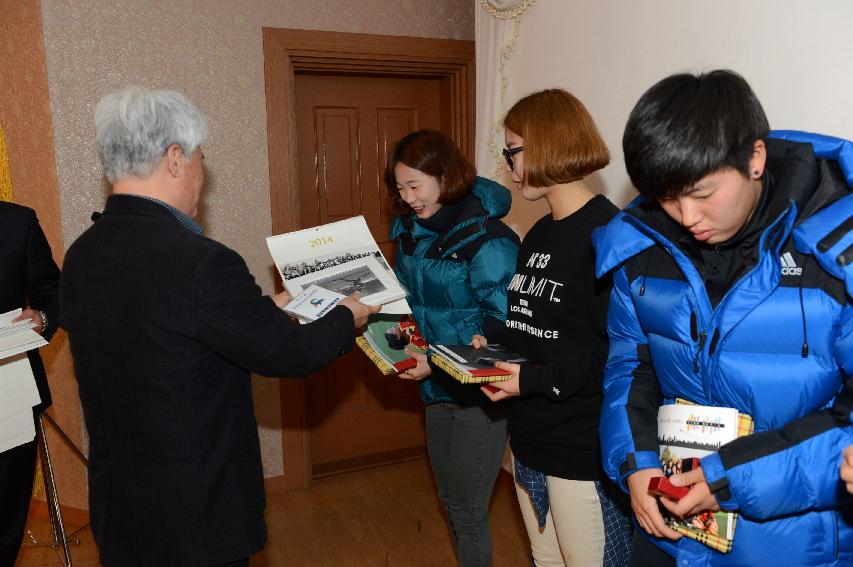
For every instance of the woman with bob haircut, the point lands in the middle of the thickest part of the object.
(455, 258)
(732, 278)
(557, 320)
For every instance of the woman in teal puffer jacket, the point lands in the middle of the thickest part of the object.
(456, 259)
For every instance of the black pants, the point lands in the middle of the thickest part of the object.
(17, 467)
(466, 446)
(645, 554)
(237, 563)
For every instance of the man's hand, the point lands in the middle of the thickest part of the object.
(421, 370)
(847, 468)
(505, 388)
(282, 299)
(699, 499)
(360, 311)
(30, 313)
(645, 505)
(478, 341)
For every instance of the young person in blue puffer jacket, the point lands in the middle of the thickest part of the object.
(456, 259)
(732, 285)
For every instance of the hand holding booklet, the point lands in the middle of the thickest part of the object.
(313, 303)
(472, 365)
(388, 340)
(341, 257)
(320, 266)
(686, 433)
(19, 336)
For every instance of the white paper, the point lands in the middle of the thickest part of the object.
(17, 429)
(18, 389)
(305, 256)
(19, 337)
(6, 318)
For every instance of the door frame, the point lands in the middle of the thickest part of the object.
(288, 52)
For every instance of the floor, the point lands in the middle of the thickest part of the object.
(383, 517)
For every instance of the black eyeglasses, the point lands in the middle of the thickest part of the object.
(508, 153)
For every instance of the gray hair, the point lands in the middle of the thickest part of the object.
(135, 127)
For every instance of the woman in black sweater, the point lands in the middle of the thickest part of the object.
(557, 320)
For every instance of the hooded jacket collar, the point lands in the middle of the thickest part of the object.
(487, 199)
(799, 184)
(469, 219)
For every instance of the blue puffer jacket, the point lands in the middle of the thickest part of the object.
(778, 346)
(456, 276)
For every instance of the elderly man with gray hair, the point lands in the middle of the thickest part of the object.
(165, 326)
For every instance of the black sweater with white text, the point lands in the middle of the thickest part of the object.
(556, 318)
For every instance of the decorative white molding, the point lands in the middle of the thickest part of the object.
(503, 28)
(506, 9)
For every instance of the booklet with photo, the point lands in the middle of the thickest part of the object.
(472, 365)
(342, 257)
(313, 303)
(686, 432)
(385, 341)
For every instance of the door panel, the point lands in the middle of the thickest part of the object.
(339, 187)
(346, 126)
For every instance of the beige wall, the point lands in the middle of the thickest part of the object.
(212, 52)
(796, 55)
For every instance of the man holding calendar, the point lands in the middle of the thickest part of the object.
(165, 326)
(29, 279)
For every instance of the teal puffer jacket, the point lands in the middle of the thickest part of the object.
(456, 275)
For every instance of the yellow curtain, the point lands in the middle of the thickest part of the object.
(5, 177)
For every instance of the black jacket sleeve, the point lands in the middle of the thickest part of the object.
(237, 321)
(42, 276)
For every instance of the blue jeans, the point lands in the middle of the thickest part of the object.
(466, 447)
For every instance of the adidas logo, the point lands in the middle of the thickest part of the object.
(789, 267)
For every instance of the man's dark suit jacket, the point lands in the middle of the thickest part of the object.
(28, 274)
(164, 327)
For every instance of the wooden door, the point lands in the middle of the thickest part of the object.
(345, 127)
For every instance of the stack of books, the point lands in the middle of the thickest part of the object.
(388, 340)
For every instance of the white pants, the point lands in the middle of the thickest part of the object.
(573, 535)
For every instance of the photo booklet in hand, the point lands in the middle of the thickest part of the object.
(471, 365)
(686, 433)
(341, 257)
(319, 266)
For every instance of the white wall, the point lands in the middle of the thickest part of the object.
(798, 57)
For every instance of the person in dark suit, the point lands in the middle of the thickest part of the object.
(165, 326)
(29, 279)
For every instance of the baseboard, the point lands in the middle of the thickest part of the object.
(368, 462)
(274, 485)
(70, 515)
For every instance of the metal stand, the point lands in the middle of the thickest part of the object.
(60, 538)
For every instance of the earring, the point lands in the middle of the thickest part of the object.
(756, 174)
